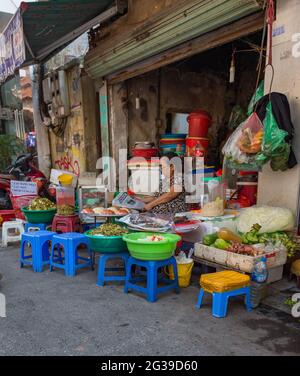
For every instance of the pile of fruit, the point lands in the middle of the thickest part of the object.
(41, 204)
(109, 229)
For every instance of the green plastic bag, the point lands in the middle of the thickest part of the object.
(274, 137)
(274, 147)
(259, 93)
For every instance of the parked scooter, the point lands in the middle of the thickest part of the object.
(23, 169)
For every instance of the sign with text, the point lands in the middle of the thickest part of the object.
(22, 188)
(12, 47)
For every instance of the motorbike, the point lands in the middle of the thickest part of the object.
(23, 169)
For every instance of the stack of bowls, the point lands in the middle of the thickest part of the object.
(144, 149)
(172, 142)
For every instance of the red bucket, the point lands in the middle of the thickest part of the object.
(196, 146)
(199, 123)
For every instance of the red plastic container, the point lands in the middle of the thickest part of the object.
(145, 153)
(247, 190)
(168, 141)
(7, 215)
(199, 123)
(196, 146)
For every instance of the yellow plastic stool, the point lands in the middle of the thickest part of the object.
(224, 281)
(222, 286)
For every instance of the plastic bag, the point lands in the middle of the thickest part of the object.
(271, 219)
(237, 116)
(274, 137)
(244, 144)
(259, 93)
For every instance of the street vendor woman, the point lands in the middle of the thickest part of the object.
(171, 196)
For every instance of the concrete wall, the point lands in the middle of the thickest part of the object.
(282, 188)
(77, 150)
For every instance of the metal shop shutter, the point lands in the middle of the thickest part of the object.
(166, 30)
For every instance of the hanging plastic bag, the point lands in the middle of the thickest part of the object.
(259, 93)
(244, 144)
(274, 137)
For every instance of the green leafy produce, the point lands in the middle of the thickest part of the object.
(109, 229)
(221, 244)
(252, 236)
(41, 204)
(210, 239)
(282, 238)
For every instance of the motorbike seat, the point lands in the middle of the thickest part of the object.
(7, 177)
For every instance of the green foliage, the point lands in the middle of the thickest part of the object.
(10, 147)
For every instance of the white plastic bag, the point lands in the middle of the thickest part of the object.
(270, 218)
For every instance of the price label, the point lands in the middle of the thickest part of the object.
(22, 188)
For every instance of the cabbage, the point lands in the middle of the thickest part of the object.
(270, 218)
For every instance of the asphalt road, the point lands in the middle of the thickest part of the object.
(50, 314)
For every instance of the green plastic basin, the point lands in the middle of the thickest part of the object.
(106, 244)
(142, 249)
(39, 216)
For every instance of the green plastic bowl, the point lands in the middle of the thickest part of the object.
(142, 249)
(39, 216)
(106, 244)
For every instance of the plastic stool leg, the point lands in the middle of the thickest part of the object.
(175, 269)
(70, 270)
(22, 253)
(101, 270)
(152, 282)
(200, 298)
(128, 276)
(248, 299)
(219, 305)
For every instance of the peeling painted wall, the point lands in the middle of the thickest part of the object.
(77, 151)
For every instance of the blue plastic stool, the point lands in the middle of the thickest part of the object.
(29, 227)
(39, 249)
(102, 278)
(152, 278)
(220, 300)
(70, 242)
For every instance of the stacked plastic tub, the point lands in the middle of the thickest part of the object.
(197, 141)
(173, 142)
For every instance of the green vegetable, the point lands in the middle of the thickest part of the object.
(251, 237)
(210, 239)
(41, 204)
(221, 244)
(109, 229)
(282, 238)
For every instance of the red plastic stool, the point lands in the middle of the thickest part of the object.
(66, 223)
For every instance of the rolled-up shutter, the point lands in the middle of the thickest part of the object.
(170, 28)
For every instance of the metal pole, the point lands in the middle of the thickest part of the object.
(42, 136)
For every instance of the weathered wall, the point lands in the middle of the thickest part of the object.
(202, 82)
(76, 151)
(282, 188)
